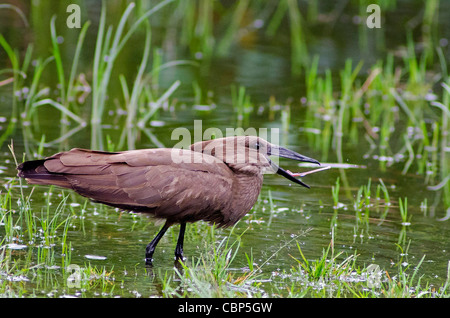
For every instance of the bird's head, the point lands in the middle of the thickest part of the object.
(250, 155)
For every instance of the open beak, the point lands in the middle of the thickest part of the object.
(286, 153)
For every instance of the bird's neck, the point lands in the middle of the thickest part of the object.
(245, 193)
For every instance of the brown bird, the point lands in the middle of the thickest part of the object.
(217, 181)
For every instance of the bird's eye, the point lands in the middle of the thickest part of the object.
(257, 145)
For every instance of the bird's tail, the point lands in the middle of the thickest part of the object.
(35, 173)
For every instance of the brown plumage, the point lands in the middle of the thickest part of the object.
(217, 181)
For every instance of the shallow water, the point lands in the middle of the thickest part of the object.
(103, 236)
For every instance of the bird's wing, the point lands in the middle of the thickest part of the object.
(178, 186)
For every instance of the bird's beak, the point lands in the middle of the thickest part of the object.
(286, 153)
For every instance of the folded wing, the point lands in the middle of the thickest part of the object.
(151, 180)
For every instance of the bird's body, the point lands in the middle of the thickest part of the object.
(214, 181)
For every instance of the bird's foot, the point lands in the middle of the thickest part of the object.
(179, 257)
(149, 259)
(179, 261)
(149, 262)
(179, 253)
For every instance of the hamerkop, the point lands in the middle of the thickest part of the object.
(217, 181)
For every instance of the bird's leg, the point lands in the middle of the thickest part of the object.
(179, 247)
(152, 245)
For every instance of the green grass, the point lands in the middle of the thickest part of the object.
(212, 273)
(335, 194)
(381, 188)
(403, 207)
(109, 46)
(42, 240)
(324, 267)
(242, 104)
(332, 275)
